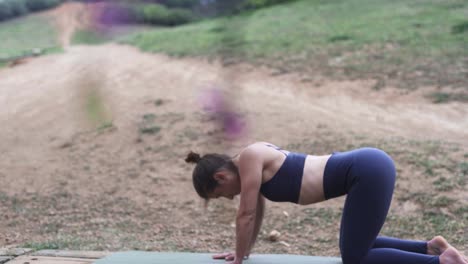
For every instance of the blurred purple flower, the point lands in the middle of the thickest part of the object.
(215, 102)
(106, 15)
(115, 14)
(233, 124)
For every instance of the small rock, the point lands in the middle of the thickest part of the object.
(37, 51)
(65, 145)
(284, 244)
(274, 236)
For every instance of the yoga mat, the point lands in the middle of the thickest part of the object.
(139, 257)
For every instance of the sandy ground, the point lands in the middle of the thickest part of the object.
(88, 182)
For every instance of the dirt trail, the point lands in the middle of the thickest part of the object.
(129, 77)
(47, 103)
(63, 175)
(68, 18)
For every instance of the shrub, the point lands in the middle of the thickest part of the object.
(160, 15)
(187, 4)
(178, 16)
(154, 13)
(5, 11)
(115, 12)
(230, 7)
(36, 5)
(255, 4)
(17, 7)
(460, 28)
(14, 8)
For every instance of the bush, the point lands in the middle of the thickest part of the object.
(160, 15)
(14, 8)
(255, 4)
(5, 11)
(114, 13)
(186, 4)
(154, 13)
(232, 7)
(36, 5)
(178, 16)
(17, 7)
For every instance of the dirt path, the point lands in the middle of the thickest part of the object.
(69, 18)
(64, 179)
(128, 78)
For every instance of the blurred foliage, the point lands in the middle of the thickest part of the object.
(188, 4)
(14, 8)
(161, 15)
(36, 5)
(157, 12)
(230, 7)
(256, 4)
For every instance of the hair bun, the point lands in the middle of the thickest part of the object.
(192, 157)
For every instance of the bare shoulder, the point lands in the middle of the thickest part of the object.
(258, 152)
(251, 151)
(255, 149)
(250, 163)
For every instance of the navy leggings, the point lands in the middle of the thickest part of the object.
(367, 176)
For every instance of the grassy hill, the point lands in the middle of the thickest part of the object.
(20, 36)
(415, 42)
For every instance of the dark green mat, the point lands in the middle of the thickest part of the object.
(139, 257)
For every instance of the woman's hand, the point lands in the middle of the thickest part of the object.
(225, 256)
(229, 257)
(235, 262)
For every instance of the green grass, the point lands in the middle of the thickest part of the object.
(95, 108)
(88, 37)
(353, 37)
(42, 245)
(441, 97)
(20, 36)
(148, 126)
(425, 226)
(65, 242)
(116, 33)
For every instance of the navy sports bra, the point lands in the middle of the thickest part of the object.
(285, 185)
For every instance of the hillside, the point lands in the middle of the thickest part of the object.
(93, 141)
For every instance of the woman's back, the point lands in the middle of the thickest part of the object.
(304, 172)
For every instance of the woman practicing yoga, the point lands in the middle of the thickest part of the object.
(365, 175)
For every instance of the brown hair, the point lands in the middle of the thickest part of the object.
(203, 173)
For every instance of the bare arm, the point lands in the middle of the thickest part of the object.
(258, 221)
(250, 172)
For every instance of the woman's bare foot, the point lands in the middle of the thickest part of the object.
(437, 246)
(452, 256)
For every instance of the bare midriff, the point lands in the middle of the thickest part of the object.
(312, 180)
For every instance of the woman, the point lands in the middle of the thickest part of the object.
(366, 175)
